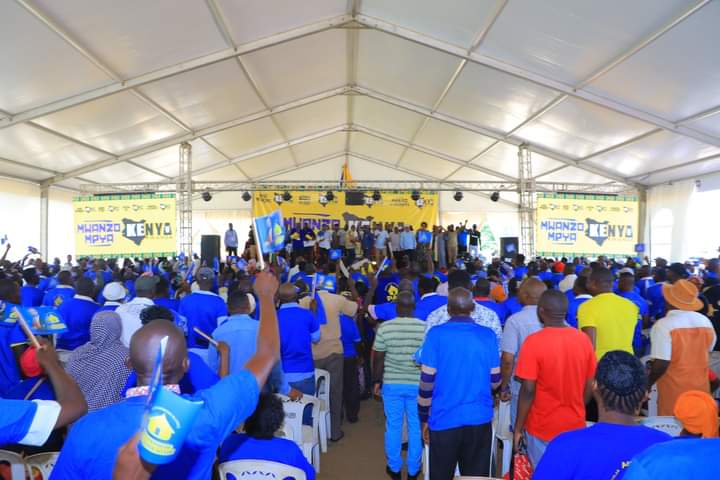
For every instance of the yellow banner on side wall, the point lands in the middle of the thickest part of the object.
(586, 225)
(395, 208)
(125, 225)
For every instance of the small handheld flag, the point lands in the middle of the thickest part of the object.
(205, 336)
(26, 328)
(385, 264)
(335, 254)
(270, 235)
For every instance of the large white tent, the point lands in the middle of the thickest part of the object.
(603, 93)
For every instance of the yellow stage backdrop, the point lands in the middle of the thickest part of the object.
(125, 225)
(586, 225)
(395, 208)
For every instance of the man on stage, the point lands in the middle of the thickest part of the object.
(231, 241)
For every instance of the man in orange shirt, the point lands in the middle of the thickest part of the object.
(556, 366)
(681, 342)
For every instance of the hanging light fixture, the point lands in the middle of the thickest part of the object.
(246, 196)
(458, 196)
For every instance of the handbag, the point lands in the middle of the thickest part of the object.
(520, 467)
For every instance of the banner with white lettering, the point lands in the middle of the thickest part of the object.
(125, 225)
(586, 225)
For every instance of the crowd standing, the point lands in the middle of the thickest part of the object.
(415, 318)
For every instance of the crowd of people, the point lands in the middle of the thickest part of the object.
(414, 318)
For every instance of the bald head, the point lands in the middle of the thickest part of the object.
(601, 281)
(531, 290)
(405, 304)
(405, 285)
(144, 346)
(460, 302)
(287, 293)
(552, 308)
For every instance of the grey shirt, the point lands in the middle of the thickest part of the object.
(517, 328)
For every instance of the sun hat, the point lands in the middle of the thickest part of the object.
(682, 295)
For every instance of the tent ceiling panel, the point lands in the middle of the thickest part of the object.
(72, 183)
(14, 170)
(427, 164)
(327, 170)
(660, 150)
(402, 68)
(266, 164)
(252, 19)
(446, 138)
(493, 99)
(569, 40)
(573, 174)
(117, 123)
(300, 68)
(395, 121)
(206, 96)
(313, 117)
(320, 147)
(578, 128)
(679, 67)
(362, 169)
(246, 138)
(709, 124)
(503, 158)
(229, 173)
(470, 175)
(457, 24)
(35, 147)
(122, 172)
(23, 78)
(374, 147)
(136, 36)
(695, 171)
(166, 160)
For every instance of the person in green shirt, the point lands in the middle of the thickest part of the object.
(396, 372)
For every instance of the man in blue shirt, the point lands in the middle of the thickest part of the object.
(91, 448)
(30, 423)
(350, 337)
(259, 441)
(482, 297)
(299, 329)
(460, 369)
(77, 313)
(581, 294)
(654, 295)
(63, 291)
(30, 294)
(626, 289)
(408, 243)
(308, 237)
(686, 458)
(202, 309)
(605, 449)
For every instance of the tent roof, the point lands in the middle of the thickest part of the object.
(603, 92)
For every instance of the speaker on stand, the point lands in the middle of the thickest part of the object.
(209, 249)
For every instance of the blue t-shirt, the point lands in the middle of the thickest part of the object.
(169, 303)
(428, 304)
(462, 238)
(31, 296)
(202, 310)
(92, 445)
(656, 300)
(298, 328)
(198, 376)
(638, 300)
(240, 446)
(16, 417)
(463, 354)
(349, 335)
(77, 313)
(512, 305)
(520, 272)
(601, 452)
(498, 308)
(570, 294)
(572, 311)
(643, 284)
(679, 458)
(56, 296)
(387, 288)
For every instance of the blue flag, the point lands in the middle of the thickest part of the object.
(335, 254)
(385, 264)
(41, 320)
(216, 264)
(270, 232)
(424, 236)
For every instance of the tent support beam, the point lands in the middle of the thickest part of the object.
(44, 217)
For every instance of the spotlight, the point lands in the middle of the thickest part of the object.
(495, 196)
(376, 196)
(246, 196)
(286, 196)
(415, 195)
(278, 198)
(323, 200)
(420, 202)
(206, 195)
(458, 196)
(369, 201)
(330, 196)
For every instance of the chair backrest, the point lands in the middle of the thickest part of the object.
(259, 470)
(322, 385)
(653, 397)
(294, 415)
(285, 431)
(41, 465)
(17, 464)
(669, 425)
(502, 429)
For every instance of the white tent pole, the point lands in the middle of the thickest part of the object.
(44, 215)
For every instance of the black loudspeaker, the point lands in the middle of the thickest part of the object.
(509, 247)
(209, 249)
(353, 197)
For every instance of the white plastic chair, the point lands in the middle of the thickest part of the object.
(285, 431)
(41, 465)
(17, 464)
(322, 390)
(504, 435)
(653, 397)
(305, 436)
(669, 425)
(259, 470)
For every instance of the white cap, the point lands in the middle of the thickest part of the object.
(114, 291)
(626, 270)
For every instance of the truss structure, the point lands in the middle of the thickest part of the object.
(183, 199)
(527, 189)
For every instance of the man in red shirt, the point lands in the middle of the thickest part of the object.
(556, 367)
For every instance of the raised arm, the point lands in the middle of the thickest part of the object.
(267, 352)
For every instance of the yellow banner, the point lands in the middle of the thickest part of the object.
(394, 208)
(586, 225)
(125, 225)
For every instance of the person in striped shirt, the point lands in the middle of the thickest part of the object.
(396, 372)
(460, 369)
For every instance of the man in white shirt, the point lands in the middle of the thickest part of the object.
(568, 280)
(395, 242)
(130, 312)
(324, 242)
(231, 241)
(381, 239)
